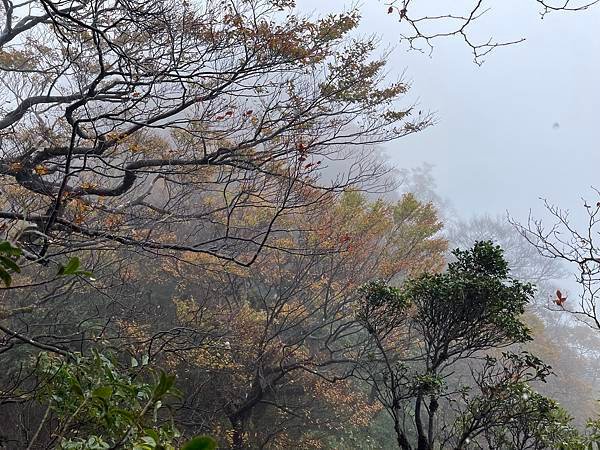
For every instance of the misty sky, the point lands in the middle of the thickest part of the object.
(494, 146)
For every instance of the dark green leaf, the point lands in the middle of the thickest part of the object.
(9, 264)
(8, 249)
(6, 278)
(200, 443)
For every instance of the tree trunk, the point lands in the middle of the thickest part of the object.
(422, 441)
(433, 407)
(401, 437)
(238, 425)
(402, 441)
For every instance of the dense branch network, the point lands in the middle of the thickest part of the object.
(122, 118)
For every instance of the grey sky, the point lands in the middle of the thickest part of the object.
(494, 146)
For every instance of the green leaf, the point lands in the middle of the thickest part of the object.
(128, 415)
(165, 383)
(149, 440)
(153, 434)
(142, 447)
(103, 392)
(157, 406)
(200, 443)
(9, 264)
(76, 387)
(71, 267)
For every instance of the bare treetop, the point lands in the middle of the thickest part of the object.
(424, 22)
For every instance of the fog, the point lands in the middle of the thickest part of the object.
(227, 224)
(521, 126)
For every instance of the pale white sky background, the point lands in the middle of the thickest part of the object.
(494, 147)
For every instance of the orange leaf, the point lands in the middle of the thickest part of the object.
(41, 170)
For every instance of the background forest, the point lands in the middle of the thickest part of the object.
(203, 244)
